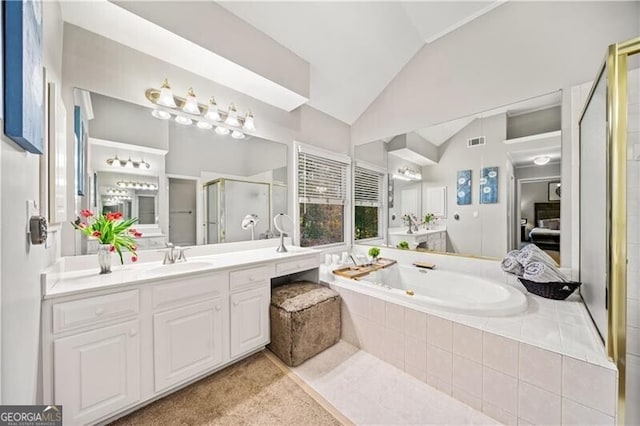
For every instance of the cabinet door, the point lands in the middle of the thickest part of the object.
(98, 372)
(250, 319)
(188, 341)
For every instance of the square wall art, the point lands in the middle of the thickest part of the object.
(463, 189)
(23, 74)
(489, 185)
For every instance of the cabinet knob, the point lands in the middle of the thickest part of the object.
(218, 308)
(236, 303)
(252, 278)
(99, 311)
(133, 332)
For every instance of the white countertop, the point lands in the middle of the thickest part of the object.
(403, 231)
(57, 281)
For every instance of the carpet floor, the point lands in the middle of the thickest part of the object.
(252, 391)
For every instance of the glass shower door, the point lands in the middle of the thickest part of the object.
(212, 195)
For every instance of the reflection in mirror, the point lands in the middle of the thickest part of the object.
(185, 184)
(480, 185)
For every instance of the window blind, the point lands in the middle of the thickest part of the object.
(367, 187)
(321, 180)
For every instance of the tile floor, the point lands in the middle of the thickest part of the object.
(370, 391)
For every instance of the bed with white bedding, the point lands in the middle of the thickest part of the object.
(546, 234)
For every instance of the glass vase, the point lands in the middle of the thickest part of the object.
(104, 258)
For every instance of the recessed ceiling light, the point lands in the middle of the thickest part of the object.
(541, 161)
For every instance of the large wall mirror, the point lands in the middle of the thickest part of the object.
(480, 185)
(185, 184)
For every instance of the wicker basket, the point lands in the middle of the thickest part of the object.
(551, 290)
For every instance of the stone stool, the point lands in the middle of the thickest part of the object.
(305, 320)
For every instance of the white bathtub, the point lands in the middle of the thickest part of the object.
(445, 290)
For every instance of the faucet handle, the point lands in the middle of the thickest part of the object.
(181, 256)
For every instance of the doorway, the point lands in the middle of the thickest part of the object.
(182, 211)
(539, 214)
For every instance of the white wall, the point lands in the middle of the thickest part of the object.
(103, 66)
(229, 36)
(516, 51)
(486, 234)
(21, 263)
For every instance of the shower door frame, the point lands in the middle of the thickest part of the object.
(615, 69)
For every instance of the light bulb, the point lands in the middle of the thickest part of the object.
(159, 114)
(222, 130)
(232, 117)
(191, 104)
(183, 120)
(541, 161)
(204, 125)
(166, 96)
(212, 113)
(248, 122)
(237, 135)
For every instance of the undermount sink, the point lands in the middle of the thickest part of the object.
(180, 267)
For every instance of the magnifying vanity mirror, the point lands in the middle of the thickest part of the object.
(185, 184)
(480, 185)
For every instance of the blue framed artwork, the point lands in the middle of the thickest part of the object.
(23, 74)
(78, 130)
(463, 189)
(489, 185)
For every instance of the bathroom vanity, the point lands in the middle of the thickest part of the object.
(433, 239)
(111, 343)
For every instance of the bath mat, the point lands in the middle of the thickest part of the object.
(255, 390)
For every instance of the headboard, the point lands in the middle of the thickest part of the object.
(546, 211)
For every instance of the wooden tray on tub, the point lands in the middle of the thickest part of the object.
(356, 272)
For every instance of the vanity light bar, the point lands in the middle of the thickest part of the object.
(408, 174)
(137, 185)
(114, 191)
(188, 110)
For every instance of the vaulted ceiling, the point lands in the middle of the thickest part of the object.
(355, 48)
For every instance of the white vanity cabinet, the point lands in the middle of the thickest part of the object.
(189, 337)
(108, 350)
(250, 298)
(100, 371)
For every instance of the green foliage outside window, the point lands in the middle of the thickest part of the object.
(321, 224)
(366, 222)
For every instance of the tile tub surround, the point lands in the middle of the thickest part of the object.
(509, 367)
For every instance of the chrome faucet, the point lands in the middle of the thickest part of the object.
(174, 254)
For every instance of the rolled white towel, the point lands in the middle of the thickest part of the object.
(542, 272)
(532, 253)
(511, 265)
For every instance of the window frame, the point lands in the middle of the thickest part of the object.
(383, 197)
(345, 159)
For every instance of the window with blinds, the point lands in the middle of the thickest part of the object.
(322, 196)
(321, 180)
(368, 203)
(367, 187)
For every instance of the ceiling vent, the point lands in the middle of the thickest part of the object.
(478, 141)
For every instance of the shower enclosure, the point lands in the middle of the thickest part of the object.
(228, 201)
(609, 237)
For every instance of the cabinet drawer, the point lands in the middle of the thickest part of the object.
(291, 266)
(94, 310)
(180, 291)
(248, 277)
